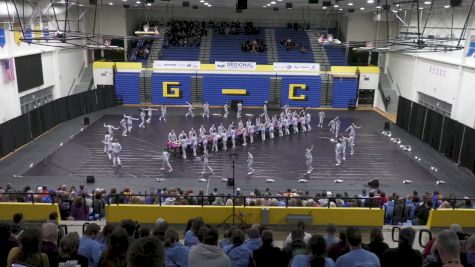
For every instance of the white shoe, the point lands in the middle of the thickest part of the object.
(270, 180)
(302, 180)
(202, 173)
(339, 181)
(407, 182)
(202, 180)
(162, 169)
(441, 182)
(344, 158)
(352, 153)
(170, 170)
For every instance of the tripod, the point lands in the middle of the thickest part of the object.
(233, 158)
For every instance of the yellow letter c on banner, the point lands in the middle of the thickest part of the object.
(169, 91)
(293, 87)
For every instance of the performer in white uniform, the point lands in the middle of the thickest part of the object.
(308, 119)
(142, 119)
(123, 124)
(226, 111)
(164, 113)
(352, 128)
(244, 136)
(111, 128)
(166, 161)
(149, 113)
(271, 130)
(321, 117)
(309, 158)
(130, 120)
(206, 163)
(239, 110)
(183, 141)
(194, 140)
(190, 110)
(215, 142)
(251, 133)
(262, 128)
(108, 145)
(116, 148)
(344, 142)
(206, 110)
(202, 131)
(264, 110)
(338, 151)
(250, 163)
(172, 136)
(279, 126)
(337, 127)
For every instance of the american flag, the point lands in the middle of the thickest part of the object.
(8, 70)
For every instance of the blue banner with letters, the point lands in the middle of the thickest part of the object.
(171, 89)
(301, 91)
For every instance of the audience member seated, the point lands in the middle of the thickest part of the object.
(254, 46)
(315, 256)
(176, 254)
(300, 225)
(28, 253)
(339, 248)
(191, 236)
(208, 253)
(267, 254)
(238, 254)
(49, 244)
(116, 252)
(254, 242)
(68, 252)
(447, 251)
(330, 235)
(226, 237)
(89, 247)
(184, 33)
(471, 250)
(297, 247)
(147, 251)
(357, 256)
(7, 242)
(404, 254)
(140, 50)
(377, 244)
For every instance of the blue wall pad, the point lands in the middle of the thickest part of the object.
(127, 87)
(344, 90)
(182, 82)
(257, 87)
(311, 91)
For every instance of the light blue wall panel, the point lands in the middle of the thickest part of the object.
(313, 88)
(184, 86)
(127, 87)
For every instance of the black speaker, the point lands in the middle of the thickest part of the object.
(195, 7)
(90, 179)
(230, 182)
(351, 10)
(242, 4)
(387, 126)
(275, 9)
(373, 183)
(85, 121)
(288, 5)
(313, 1)
(327, 3)
(386, 7)
(186, 4)
(455, 3)
(93, 2)
(126, 6)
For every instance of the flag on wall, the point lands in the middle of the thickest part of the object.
(8, 70)
(2, 36)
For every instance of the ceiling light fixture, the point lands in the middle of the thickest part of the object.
(138, 2)
(149, 4)
(350, 4)
(421, 8)
(268, 5)
(361, 8)
(446, 6)
(324, 7)
(370, 1)
(273, 3)
(427, 2)
(336, 6)
(341, 9)
(378, 7)
(111, 4)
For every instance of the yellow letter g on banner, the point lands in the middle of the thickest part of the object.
(171, 92)
(293, 87)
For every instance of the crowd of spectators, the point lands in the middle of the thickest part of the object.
(140, 49)
(289, 44)
(184, 33)
(129, 244)
(254, 46)
(298, 26)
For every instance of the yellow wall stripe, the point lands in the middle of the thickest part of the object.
(234, 91)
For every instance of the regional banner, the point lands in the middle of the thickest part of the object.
(224, 65)
(182, 65)
(288, 66)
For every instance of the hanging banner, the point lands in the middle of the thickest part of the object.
(46, 33)
(224, 65)
(28, 35)
(2, 36)
(17, 34)
(285, 66)
(184, 65)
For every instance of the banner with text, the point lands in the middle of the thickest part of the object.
(224, 65)
(288, 66)
(184, 65)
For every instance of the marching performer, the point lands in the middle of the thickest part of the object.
(215, 142)
(309, 158)
(279, 126)
(338, 151)
(116, 148)
(337, 127)
(250, 163)
(172, 136)
(166, 161)
(142, 119)
(295, 123)
(251, 133)
(264, 109)
(239, 110)
(206, 163)
(123, 124)
(111, 128)
(321, 117)
(352, 128)
(190, 110)
(202, 131)
(271, 130)
(308, 119)
(149, 113)
(262, 128)
(130, 119)
(226, 111)
(244, 136)
(206, 110)
(163, 109)
(107, 141)
(344, 142)
(194, 141)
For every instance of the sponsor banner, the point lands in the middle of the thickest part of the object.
(224, 65)
(184, 65)
(284, 66)
(103, 76)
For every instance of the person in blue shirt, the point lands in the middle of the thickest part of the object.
(317, 248)
(227, 238)
(191, 236)
(176, 255)
(238, 254)
(254, 242)
(89, 247)
(357, 257)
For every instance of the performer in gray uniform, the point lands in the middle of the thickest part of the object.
(123, 124)
(206, 163)
(308, 119)
(352, 128)
(206, 110)
(183, 141)
(108, 145)
(239, 110)
(226, 111)
(250, 163)
(116, 148)
(130, 120)
(337, 127)
(321, 117)
(142, 119)
(344, 142)
(166, 161)
(164, 113)
(111, 128)
(190, 110)
(149, 113)
(338, 151)
(309, 158)
(172, 136)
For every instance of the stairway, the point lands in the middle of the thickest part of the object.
(205, 46)
(386, 88)
(197, 89)
(319, 53)
(85, 81)
(272, 55)
(326, 96)
(156, 49)
(145, 90)
(275, 91)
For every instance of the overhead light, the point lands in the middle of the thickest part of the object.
(400, 9)
(149, 4)
(268, 5)
(336, 6)
(427, 2)
(421, 8)
(210, 5)
(280, 0)
(341, 9)
(394, 11)
(202, 1)
(350, 4)
(111, 4)
(138, 2)
(398, 5)
(361, 8)
(324, 7)
(264, 6)
(273, 3)
(370, 1)
(446, 6)
(378, 7)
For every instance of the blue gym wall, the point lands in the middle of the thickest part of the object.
(257, 87)
(344, 90)
(313, 83)
(127, 87)
(157, 88)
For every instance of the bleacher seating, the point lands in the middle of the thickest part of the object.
(336, 56)
(293, 55)
(180, 53)
(228, 48)
(344, 92)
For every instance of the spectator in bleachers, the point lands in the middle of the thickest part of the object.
(99, 205)
(89, 247)
(377, 244)
(306, 237)
(130, 226)
(404, 254)
(176, 254)
(28, 252)
(191, 238)
(17, 224)
(7, 242)
(471, 250)
(254, 46)
(227, 237)
(116, 252)
(208, 253)
(267, 254)
(330, 235)
(160, 230)
(238, 254)
(79, 210)
(297, 247)
(422, 213)
(68, 251)
(448, 250)
(315, 257)
(49, 244)
(105, 235)
(356, 254)
(185, 33)
(147, 251)
(254, 242)
(144, 231)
